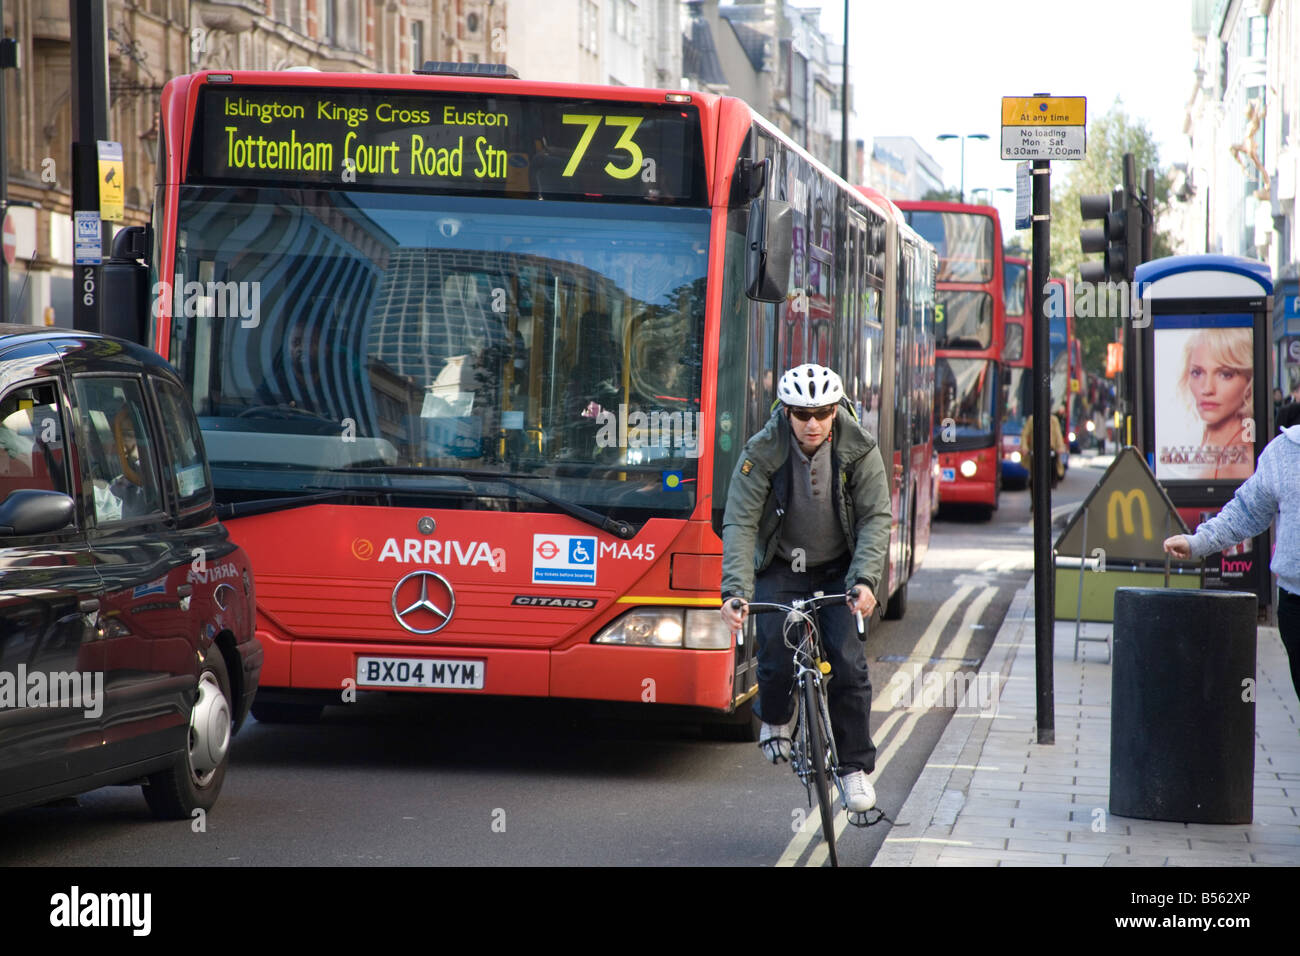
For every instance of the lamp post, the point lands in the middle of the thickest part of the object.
(963, 139)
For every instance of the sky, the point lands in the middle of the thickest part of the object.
(927, 67)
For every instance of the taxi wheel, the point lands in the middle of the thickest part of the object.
(194, 780)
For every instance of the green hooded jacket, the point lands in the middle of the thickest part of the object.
(759, 492)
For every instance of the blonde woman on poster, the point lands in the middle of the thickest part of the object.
(1216, 385)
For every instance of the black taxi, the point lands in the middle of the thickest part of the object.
(127, 645)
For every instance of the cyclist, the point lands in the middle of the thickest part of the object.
(808, 511)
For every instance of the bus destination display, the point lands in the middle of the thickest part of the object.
(445, 142)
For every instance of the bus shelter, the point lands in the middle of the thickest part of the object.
(1205, 398)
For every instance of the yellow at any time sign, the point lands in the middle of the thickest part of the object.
(1043, 127)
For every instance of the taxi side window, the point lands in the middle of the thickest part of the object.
(119, 449)
(188, 470)
(32, 449)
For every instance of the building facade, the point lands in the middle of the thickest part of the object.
(621, 42)
(1239, 190)
(902, 169)
(776, 57)
(150, 41)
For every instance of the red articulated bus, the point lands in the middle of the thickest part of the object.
(969, 342)
(475, 358)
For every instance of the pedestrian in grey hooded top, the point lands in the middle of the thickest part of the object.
(1273, 492)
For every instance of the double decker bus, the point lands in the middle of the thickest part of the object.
(1066, 353)
(969, 341)
(475, 358)
(1017, 357)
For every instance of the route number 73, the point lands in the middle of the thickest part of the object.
(591, 121)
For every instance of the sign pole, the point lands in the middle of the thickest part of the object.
(1041, 128)
(1044, 610)
(89, 123)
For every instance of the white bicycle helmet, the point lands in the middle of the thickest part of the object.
(809, 386)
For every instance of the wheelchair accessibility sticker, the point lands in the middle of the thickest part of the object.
(564, 559)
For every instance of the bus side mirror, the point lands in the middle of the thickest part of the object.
(769, 250)
(124, 280)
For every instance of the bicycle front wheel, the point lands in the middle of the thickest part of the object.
(817, 735)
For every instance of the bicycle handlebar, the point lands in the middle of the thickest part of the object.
(761, 607)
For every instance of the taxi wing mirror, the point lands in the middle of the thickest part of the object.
(30, 511)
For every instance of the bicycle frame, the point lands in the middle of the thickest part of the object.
(813, 754)
(809, 665)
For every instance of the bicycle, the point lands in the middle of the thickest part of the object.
(813, 755)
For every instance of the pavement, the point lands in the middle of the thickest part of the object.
(990, 795)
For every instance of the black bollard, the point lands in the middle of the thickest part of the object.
(1182, 708)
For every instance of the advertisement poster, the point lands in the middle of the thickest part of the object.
(1204, 397)
(1233, 568)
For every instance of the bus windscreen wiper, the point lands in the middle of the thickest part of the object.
(614, 526)
(242, 509)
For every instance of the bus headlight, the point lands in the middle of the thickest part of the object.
(706, 631)
(1015, 457)
(650, 627)
(668, 627)
(968, 468)
(1073, 437)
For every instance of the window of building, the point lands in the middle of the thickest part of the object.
(1257, 37)
(417, 44)
(589, 26)
(350, 27)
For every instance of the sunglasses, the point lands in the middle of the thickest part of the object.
(821, 414)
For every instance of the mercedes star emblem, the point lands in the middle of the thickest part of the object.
(423, 608)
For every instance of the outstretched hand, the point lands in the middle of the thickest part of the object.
(1178, 546)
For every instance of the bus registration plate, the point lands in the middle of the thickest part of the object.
(420, 672)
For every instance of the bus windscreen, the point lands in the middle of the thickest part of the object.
(445, 142)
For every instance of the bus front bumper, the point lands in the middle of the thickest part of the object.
(683, 677)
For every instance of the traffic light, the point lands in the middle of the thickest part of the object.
(1111, 238)
(1124, 235)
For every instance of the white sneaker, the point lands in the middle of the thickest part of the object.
(859, 794)
(774, 740)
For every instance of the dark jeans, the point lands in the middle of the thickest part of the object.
(849, 686)
(1288, 623)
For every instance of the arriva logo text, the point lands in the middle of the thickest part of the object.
(428, 551)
